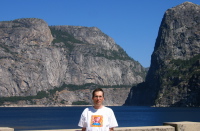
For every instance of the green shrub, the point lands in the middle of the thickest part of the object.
(14, 99)
(66, 38)
(80, 103)
(47, 94)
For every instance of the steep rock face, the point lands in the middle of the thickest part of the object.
(23, 43)
(35, 57)
(113, 96)
(96, 58)
(173, 78)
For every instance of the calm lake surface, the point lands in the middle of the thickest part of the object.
(34, 118)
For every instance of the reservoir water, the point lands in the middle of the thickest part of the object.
(43, 118)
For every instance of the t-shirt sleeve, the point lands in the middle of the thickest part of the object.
(112, 120)
(82, 121)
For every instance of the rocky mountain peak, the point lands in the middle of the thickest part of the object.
(179, 34)
(90, 35)
(173, 61)
(28, 31)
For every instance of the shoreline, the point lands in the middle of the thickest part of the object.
(52, 105)
(43, 105)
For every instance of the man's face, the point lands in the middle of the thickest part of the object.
(98, 98)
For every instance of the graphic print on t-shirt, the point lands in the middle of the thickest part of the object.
(96, 121)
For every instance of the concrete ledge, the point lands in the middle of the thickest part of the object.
(56, 130)
(6, 129)
(184, 126)
(167, 126)
(146, 128)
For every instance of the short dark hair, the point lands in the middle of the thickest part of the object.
(98, 89)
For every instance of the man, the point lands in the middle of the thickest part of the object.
(98, 117)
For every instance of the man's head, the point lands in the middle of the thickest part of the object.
(98, 98)
(98, 89)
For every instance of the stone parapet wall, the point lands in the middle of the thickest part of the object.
(167, 126)
(146, 128)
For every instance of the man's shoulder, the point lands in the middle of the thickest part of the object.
(89, 109)
(107, 108)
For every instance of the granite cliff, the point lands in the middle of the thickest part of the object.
(174, 75)
(49, 65)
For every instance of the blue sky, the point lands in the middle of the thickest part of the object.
(133, 24)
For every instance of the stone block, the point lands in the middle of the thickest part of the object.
(184, 126)
(6, 129)
(146, 128)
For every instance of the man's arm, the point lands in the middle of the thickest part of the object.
(111, 129)
(83, 129)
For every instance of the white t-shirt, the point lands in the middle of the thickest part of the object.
(98, 119)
